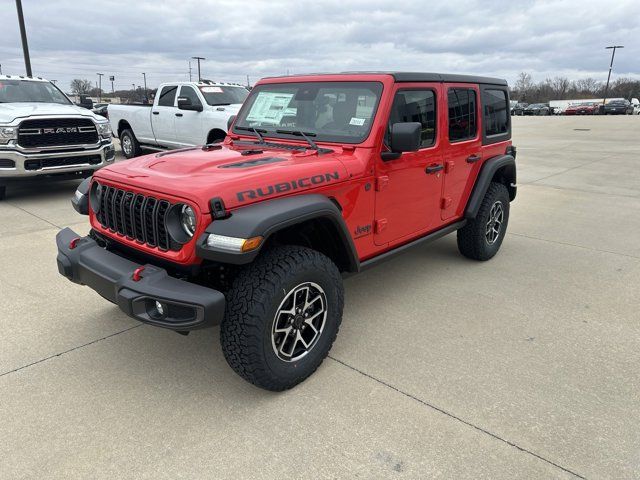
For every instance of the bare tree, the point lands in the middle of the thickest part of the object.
(587, 86)
(559, 87)
(80, 87)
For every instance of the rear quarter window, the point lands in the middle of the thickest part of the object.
(496, 112)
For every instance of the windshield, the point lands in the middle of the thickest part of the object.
(223, 95)
(327, 111)
(30, 91)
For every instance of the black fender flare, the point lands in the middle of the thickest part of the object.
(506, 165)
(268, 217)
(80, 199)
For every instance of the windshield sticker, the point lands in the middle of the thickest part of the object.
(357, 121)
(211, 89)
(269, 107)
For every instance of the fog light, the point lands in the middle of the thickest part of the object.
(160, 308)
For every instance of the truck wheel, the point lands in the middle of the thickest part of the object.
(480, 238)
(283, 314)
(129, 144)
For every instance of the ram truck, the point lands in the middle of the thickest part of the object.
(183, 114)
(320, 177)
(43, 134)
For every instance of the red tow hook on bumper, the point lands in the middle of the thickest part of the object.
(73, 243)
(137, 274)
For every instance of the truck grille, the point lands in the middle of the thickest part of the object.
(56, 132)
(135, 216)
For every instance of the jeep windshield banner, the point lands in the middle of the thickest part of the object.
(340, 112)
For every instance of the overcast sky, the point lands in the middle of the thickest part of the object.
(75, 39)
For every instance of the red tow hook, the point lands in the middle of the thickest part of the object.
(137, 274)
(73, 243)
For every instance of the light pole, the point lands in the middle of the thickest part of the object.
(99, 86)
(198, 59)
(613, 54)
(23, 34)
(145, 87)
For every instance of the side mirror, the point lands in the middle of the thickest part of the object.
(405, 137)
(184, 103)
(232, 119)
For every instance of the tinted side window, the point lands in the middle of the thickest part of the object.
(496, 115)
(167, 96)
(415, 106)
(463, 122)
(190, 93)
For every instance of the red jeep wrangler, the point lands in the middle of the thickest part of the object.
(321, 176)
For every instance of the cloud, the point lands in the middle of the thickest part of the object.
(70, 39)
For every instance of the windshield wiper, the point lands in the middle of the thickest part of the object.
(257, 131)
(219, 104)
(305, 135)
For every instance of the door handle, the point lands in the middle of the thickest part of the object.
(178, 114)
(434, 168)
(473, 158)
(156, 113)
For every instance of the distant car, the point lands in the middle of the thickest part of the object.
(618, 107)
(537, 109)
(636, 109)
(100, 109)
(590, 108)
(518, 109)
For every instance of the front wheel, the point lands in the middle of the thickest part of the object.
(129, 144)
(480, 238)
(283, 314)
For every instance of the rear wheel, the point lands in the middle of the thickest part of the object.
(480, 238)
(283, 314)
(129, 144)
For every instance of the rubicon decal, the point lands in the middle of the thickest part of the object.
(283, 187)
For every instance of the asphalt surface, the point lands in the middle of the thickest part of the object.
(522, 367)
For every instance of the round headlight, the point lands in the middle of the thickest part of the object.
(188, 220)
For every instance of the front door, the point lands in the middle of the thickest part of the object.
(408, 188)
(462, 148)
(189, 129)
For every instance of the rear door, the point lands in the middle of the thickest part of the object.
(462, 148)
(189, 128)
(163, 119)
(408, 187)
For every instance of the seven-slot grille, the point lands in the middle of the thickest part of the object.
(57, 132)
(135, 216)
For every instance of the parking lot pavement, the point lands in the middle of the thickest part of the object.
(522, 367)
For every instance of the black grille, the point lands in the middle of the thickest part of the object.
(135, 216)
(7, 163)
(54, 132)
(37, 164)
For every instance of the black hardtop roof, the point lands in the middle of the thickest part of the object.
(405, 77)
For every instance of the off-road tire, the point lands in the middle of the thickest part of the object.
(472, 238)
(252, 302)
(127, 136)
(3, 192)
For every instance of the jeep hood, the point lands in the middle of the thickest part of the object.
(198, 174)
(12, 111)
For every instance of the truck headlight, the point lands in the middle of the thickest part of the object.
(188, 220)
(233, 244)
(104, 129)
(7, 134)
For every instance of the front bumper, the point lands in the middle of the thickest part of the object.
(18, 161)
(186, 306)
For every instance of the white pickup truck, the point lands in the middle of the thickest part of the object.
(183, 114)
(43, 134)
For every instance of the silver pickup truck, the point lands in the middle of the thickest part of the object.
(42, 133)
